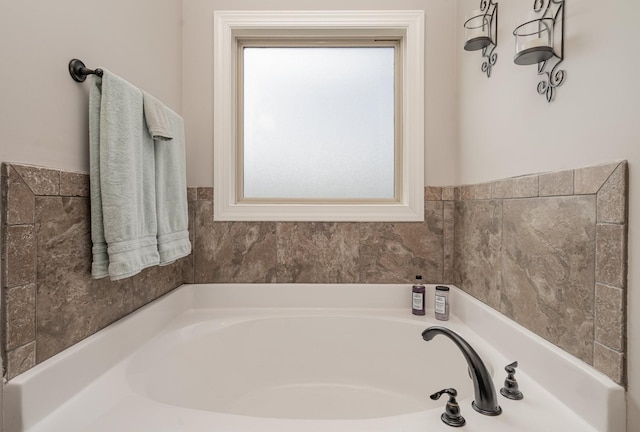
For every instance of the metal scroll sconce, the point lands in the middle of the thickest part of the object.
(540, 39)
(481, 32)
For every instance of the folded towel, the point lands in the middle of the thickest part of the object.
(100, 262)
(171, 193)
(122, 168)
(155, 114)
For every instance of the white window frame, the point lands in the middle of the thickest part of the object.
(232, 26)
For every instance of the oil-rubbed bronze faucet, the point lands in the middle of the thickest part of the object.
(485, 401)
(451, 415)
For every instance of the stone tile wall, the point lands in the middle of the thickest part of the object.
(549, 252)
(322, 252)
(50, 300)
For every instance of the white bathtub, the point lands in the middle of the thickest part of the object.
(303, 358)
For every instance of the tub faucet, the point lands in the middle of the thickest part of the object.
(485, 401)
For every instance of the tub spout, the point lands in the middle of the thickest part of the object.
(485, 401)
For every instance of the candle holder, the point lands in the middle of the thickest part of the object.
(540, 39)
(481, 33)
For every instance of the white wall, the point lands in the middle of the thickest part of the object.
(440, 131)
(507, 129)
(44, 112)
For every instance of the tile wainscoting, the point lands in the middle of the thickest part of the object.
(547, 250)
(50, 300)
(321, 252)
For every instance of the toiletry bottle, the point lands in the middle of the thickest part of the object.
(441, 304)
(418, 297)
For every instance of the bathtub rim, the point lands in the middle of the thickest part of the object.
(39, 391)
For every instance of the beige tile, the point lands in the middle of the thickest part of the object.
(589, 180)
(20, 200)
(70, 304)
(188, 264)
(432, 193)
(611, 255)
(243, 252)
(41, 181)
(477, 245)
(232, 252)
(448, 242)
(204, 242)
(502, 188)
(188, 269)
(20, 313)
(397, 252)
(69, 314)
(205, 193)
(482, 191)
(74, 184)
(526, 187)
(609, 362)
(318, 252)
(192, 194)
(154, 282)
(610, 317)
(467, 192)
(547, 269)
(612, 197)
(21, 255)
(556, 183)
(476, 191)
(21, 360)
(458, 193)
(448, 193)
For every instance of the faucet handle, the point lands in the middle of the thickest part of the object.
(510, 389)
(511, 368)
(451, 415)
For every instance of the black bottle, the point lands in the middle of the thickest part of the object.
(418, 297)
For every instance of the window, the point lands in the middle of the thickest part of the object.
(322, 115)
(318, 116)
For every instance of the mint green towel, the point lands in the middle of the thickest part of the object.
(171, 191)
(156, 118)
(122, 169)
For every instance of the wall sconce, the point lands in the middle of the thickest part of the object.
(481, 32)
(540, 39)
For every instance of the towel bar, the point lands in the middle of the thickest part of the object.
(79, 72)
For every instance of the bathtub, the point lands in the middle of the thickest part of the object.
(276, 357)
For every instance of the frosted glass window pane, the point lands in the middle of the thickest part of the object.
(318, 123)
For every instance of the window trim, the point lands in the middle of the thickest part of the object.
(231, 27)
